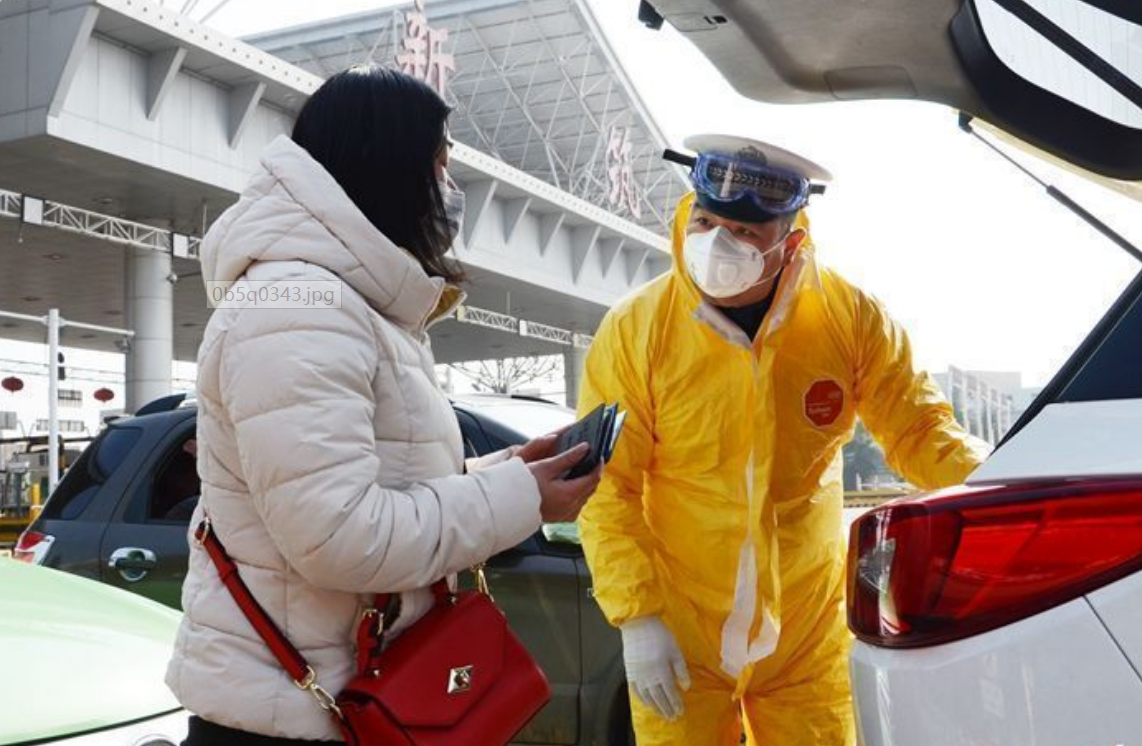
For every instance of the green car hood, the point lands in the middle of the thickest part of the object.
(78, 655)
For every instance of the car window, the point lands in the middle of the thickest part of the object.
(500, 437)
(113, 448)
(94, 467)
(474, 442)
(488, 434)
(76, 488)
(532, 419)
(1039, 60)
(175, 488)
(1114, 370)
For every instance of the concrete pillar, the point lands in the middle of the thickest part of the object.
(149, 312)
(574, 360)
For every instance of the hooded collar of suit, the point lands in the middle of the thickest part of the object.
(259, 227)
(799, 278)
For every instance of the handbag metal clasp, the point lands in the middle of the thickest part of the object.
(202, 531)
(460, 679)
(371, 612)
(325, 700)
(482, 580)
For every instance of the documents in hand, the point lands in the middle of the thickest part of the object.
(600, 430)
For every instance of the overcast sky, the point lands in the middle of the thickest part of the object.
(984, 270)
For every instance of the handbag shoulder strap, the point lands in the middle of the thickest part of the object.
(292, 661)
(370, 632)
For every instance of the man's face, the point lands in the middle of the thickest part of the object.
(761, 236)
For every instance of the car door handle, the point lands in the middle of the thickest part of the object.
(132, 562)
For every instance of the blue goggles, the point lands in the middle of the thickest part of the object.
(722, 180)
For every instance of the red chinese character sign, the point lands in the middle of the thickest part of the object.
(422, 57)
(620, 172)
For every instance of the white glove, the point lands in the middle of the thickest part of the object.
(654, 664)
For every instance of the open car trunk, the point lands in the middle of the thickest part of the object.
(1058, 77)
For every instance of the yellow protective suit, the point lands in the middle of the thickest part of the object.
(720, 510)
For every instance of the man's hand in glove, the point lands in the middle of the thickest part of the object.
(654, 665)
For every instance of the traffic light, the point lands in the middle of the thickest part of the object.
(60, 370)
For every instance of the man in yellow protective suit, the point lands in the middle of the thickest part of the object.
(715, 539)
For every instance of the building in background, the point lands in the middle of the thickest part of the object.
(986, 403)
(533, 83)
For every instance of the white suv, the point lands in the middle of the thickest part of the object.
(1009, 611)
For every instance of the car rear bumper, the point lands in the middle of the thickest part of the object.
(1056, 679)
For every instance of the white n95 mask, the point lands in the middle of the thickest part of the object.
(722, 266)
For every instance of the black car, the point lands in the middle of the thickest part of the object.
(120, 516)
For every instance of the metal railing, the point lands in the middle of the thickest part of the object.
(510, 324)
(488, 319)
(545, 332)
(10, 203)
(103, 227)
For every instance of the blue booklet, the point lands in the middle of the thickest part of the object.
(600, 430)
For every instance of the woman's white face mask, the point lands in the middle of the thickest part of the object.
(722, 266)
(453, 198)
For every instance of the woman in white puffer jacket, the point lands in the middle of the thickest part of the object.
(331, 462)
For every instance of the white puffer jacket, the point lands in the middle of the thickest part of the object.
(330, 459)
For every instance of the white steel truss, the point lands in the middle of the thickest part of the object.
(10, 204)
(536, 86)
(506, 323)
(103, 227)
(548, 333)
(488, 319)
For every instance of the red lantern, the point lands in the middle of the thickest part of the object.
(12, 384)
(104, 395)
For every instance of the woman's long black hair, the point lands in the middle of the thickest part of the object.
(378, 132)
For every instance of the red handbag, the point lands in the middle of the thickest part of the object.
(458, 676)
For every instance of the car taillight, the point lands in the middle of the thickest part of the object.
(32, 547)
(960, 562)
